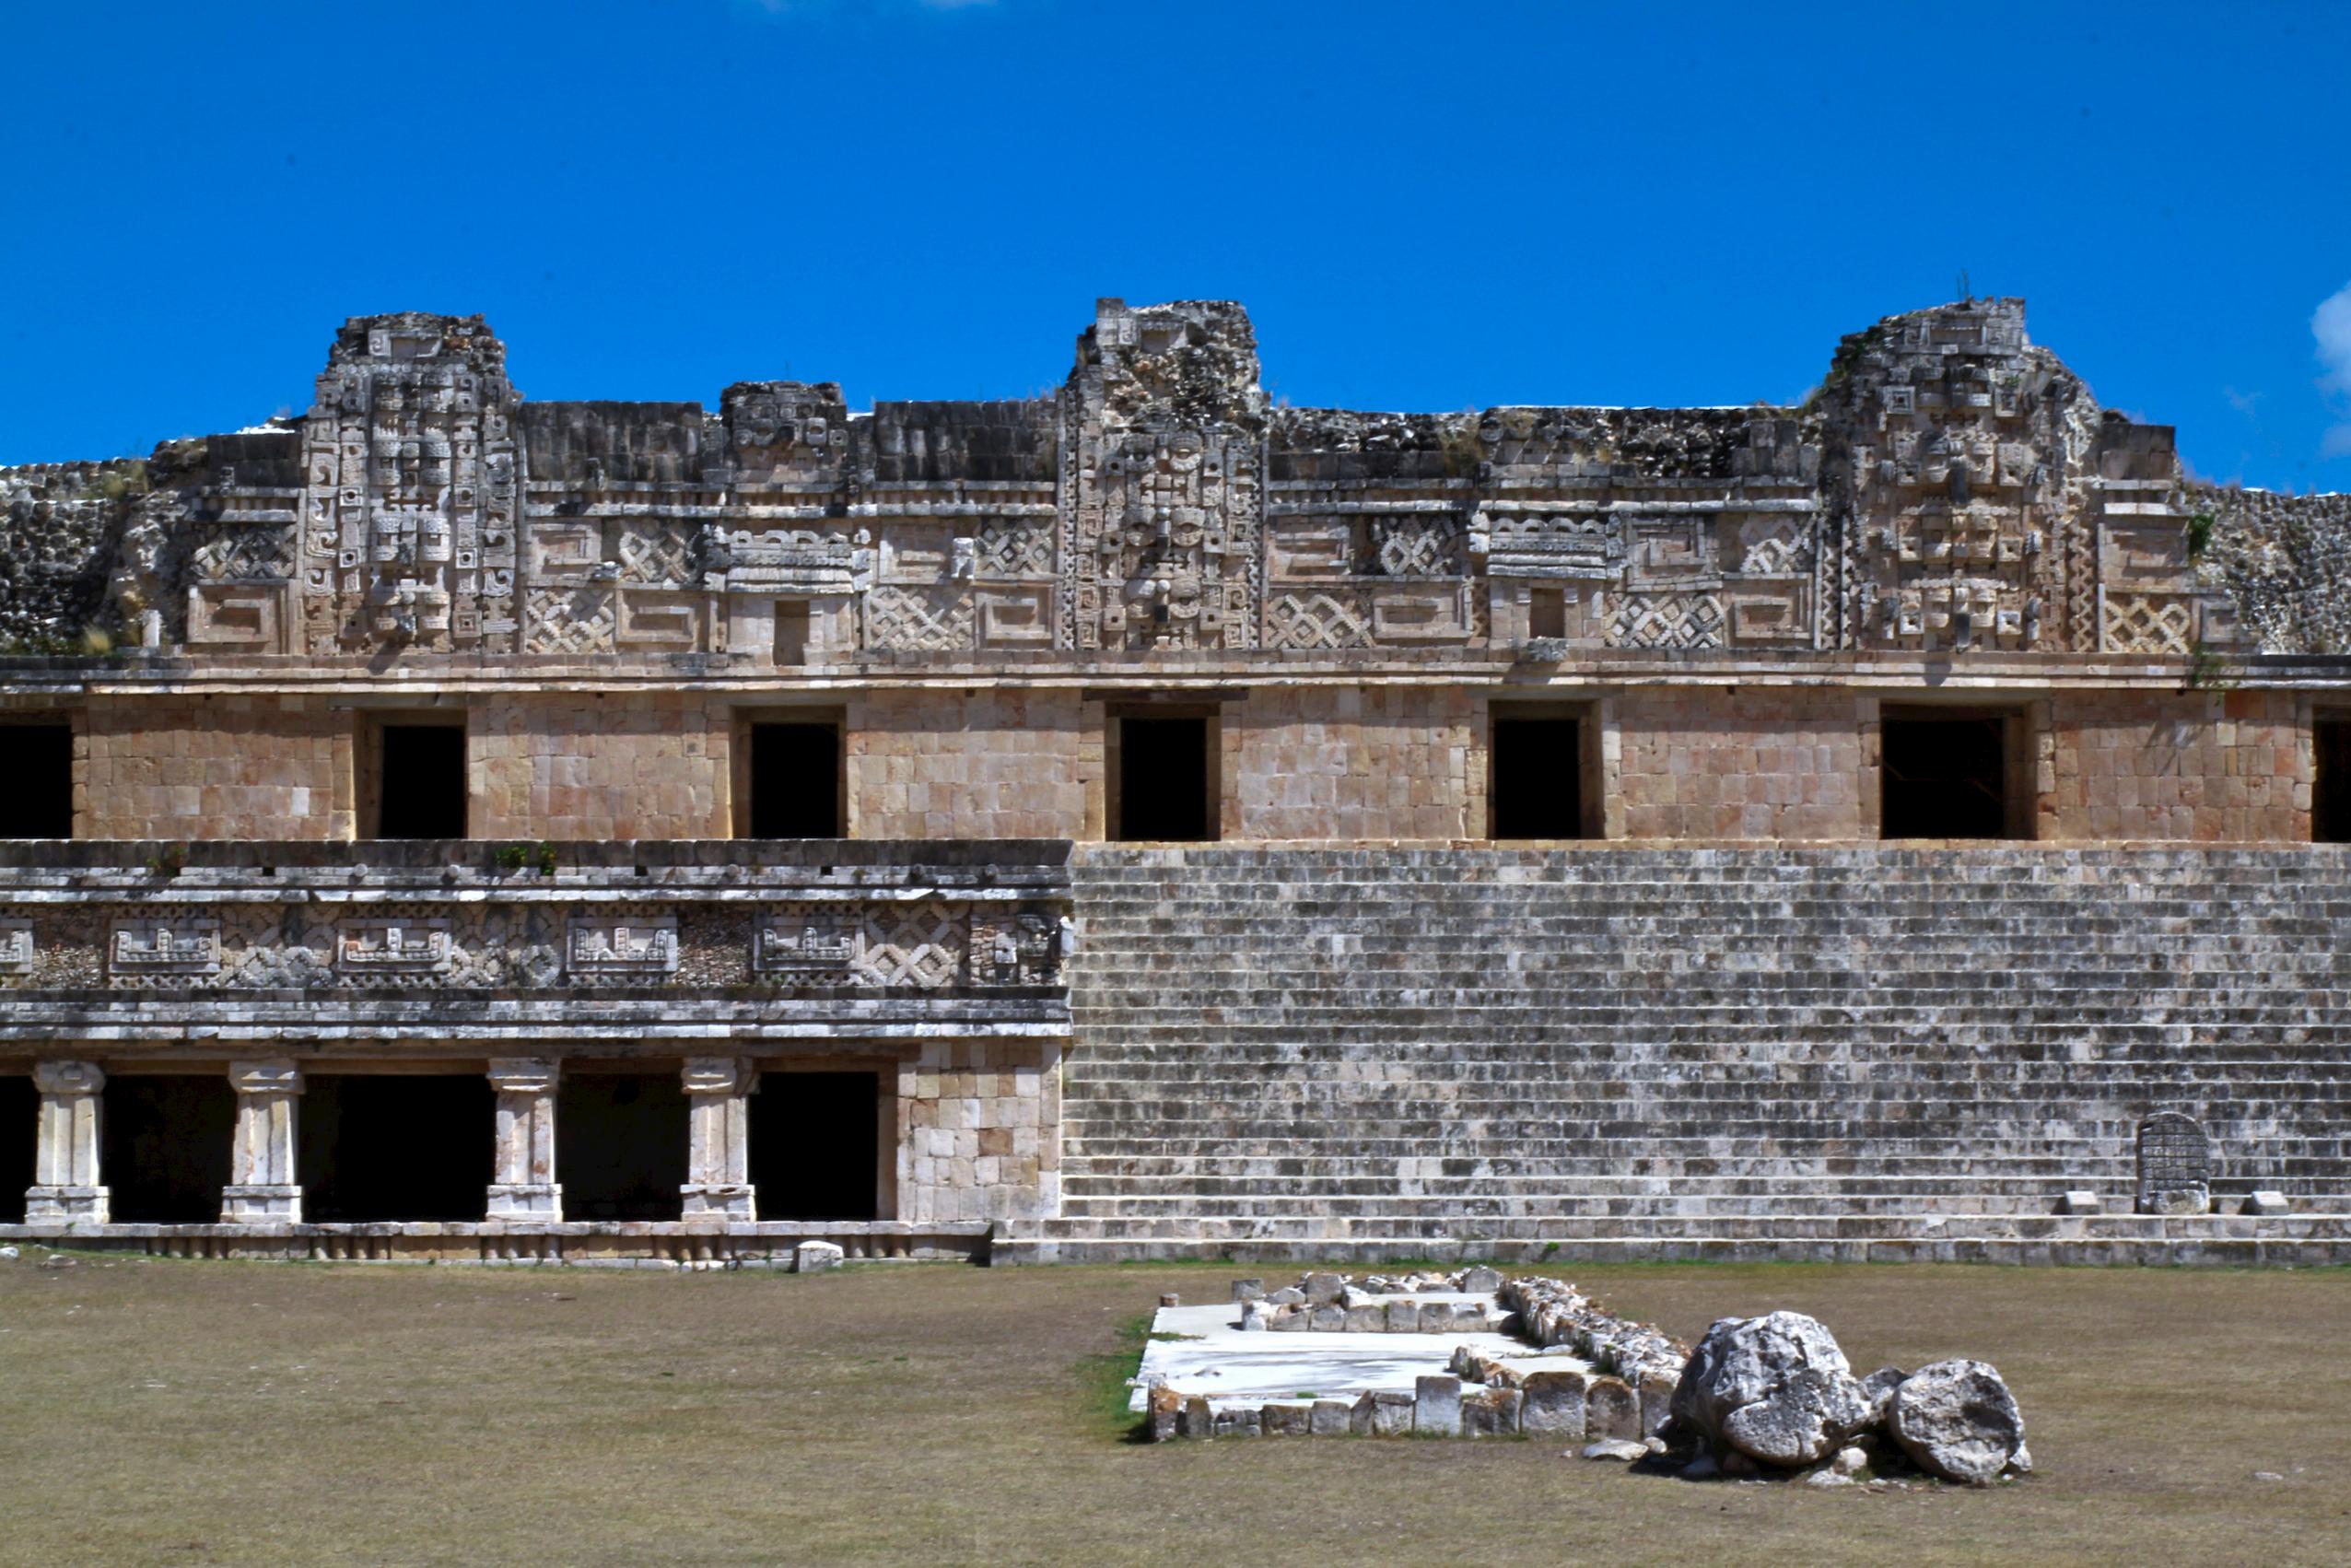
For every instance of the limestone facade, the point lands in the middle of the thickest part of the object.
(962, 652)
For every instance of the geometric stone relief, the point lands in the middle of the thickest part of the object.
(567, 620)
(1417, 546)
(165, 944)
(404, 946)
(16, 947)
(1015, 547)
(803, 943)
(1017, 949)
(910, 944)
(1336, 616)
(2147, 623)
(2175, 1165)
(936, 619)
(624, 945)
(1675, 619)
(657, 554)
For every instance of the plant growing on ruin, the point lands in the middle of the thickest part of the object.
(2200, 534)
(169, 860)
(539, 857)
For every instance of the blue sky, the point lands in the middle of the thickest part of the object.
(1425, 206)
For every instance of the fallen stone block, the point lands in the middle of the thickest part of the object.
(1775, 1387)
(2080, 1202)
(1957, 1420)
(1391, 1413)
(815, 1256)
(1331, 1418)
(1480, 1281)
(1248, 1290)
(2263, 1201)
(1286, 1421)
(1322, 1289)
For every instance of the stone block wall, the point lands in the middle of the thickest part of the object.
(1354, 763)
(2205, 767)
(993, 765)
(1706, 763)
(979, 1131)
(598, 766)
(227, 766)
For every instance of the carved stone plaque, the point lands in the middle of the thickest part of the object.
(623, 945)
(165, 946)
(2175, 1165)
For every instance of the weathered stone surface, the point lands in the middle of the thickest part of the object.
(1620, 1448)
(1322, 1289)
(1164, 1409)
(1775, 1387)
(1392, 1413)
(1957, 1420)
(815, 1256)
(1286, 1419)
(1480, 1280)
(1554, 1404)
(1331, 1418)
(1436, 1405)
(1196, 1418)
(1612, 1409)
(1403, 1318)
(1248, 1290)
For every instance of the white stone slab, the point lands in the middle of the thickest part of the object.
(1233, 1368)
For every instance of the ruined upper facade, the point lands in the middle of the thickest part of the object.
(1951, 489)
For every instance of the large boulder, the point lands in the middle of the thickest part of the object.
(1957, 1420)
(1775, 1388)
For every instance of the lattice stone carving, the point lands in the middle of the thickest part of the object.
(1417, 546)
(927, 619)
(656, 554)
(1015, 547)
(264, 553)
(1304, 620)
(1775, 546)
(570, 620)
(2147, 623)
(910, 944)
(1668, 620)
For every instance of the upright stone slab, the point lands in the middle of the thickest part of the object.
(524, 1186)
(261, 1190)
(2175, 1165)
(1436, 1405)
(1554, 1404)
(66, 1186)
(718, 1165)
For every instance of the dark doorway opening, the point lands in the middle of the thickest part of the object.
(1943, 776)
(164, 1145)
(41, 793)
(19, 1103)
(2330, 786)
(1166, 791)
(816, 1145)
(420, 781)
(621, 1145)
(395, 1148)
(1537, 785)
(795, 780)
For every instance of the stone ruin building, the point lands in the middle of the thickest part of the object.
(1144, 821)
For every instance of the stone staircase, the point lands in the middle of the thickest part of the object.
(1855, 1052)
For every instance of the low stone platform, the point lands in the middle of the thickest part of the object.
(766, 1244)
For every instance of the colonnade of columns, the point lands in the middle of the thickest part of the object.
(264, 1189)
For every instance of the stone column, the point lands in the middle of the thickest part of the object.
(66, 1156)
(524, 1184)
(261, 1190)
(718, 1160)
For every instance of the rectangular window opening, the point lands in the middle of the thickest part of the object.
(415, 779)
(164, 1144)
(1164, 778)
(2331, 783)
(1946, 775)
(816, 1145)
(40, 800)
(395, 1147)
(1538, 764)
(794, 789)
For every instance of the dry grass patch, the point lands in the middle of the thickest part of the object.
(170, 1412)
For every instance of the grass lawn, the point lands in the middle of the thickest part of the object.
(176, 1413)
